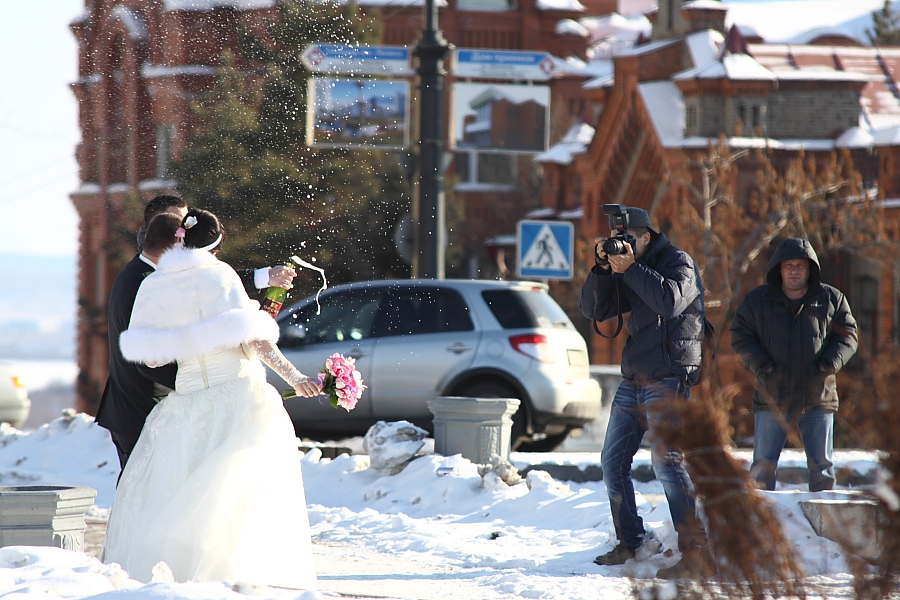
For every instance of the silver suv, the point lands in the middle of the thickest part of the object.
(415, 339)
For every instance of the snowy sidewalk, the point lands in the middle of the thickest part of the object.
(347, 571)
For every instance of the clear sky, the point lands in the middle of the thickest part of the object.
(38, 127)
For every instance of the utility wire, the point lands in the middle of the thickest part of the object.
(20, 177)
(40, 187)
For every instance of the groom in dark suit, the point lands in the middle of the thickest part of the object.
(132, 390)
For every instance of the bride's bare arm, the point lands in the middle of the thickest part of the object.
(272, 356)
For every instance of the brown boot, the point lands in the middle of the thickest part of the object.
(695, 563)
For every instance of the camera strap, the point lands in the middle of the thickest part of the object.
(618, 326)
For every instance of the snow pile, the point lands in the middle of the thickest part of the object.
(535, 538)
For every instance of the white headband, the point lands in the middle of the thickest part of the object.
(213, 245)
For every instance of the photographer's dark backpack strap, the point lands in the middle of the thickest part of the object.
(618, 327)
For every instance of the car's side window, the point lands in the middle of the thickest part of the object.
(343, 317)
(412, 311)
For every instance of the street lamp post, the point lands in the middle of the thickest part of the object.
(432, 49)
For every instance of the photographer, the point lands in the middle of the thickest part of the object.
(639, 271)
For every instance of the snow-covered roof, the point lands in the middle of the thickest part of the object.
(783, 20)
(737, 67)
(818, 74)
(704, 5)
(575, 141)
(149, 70)
(704, 47)
(888, 136)
(566, 5)
(205, 5)
(571, 27)
(855, 137)
(810, 35)
(665, 105)
(648, 48)
(615, 26)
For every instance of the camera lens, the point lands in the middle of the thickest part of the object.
(614, 246)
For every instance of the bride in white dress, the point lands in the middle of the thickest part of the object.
(213, 487)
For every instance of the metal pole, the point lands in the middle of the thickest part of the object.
(431, 50)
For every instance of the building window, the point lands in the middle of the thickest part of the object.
(690, 120)
(164, 135)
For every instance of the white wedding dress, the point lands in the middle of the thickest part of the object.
(213, 487)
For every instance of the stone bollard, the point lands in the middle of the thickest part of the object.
(850, 519)
(476, 428)
(44, 515)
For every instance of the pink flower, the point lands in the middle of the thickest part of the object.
(341, 382)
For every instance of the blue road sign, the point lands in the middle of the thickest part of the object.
(504, 64)
(544, 249)
(357, 60)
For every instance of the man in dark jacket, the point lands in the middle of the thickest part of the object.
(794, 333)
(661, 288)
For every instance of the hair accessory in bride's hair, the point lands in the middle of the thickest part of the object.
(179, 236)
(190, 221)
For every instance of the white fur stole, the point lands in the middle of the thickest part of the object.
(192, 304)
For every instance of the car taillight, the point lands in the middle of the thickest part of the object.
(533, 346)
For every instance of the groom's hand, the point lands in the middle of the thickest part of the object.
(282, 276)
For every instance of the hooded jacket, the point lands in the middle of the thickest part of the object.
(784, 344)
(664, 294)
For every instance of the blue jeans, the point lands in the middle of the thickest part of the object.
(628, 422)
(770, 430)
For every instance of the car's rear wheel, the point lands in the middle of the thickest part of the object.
(548, 443)
(493, 389)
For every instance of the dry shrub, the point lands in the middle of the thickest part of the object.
(754, 557)
(871, 392)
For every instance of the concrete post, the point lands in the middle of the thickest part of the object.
(476, 428)
(44, 515)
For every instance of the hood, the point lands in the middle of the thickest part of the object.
(790, 249)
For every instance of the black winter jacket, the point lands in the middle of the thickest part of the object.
(664, 294)
(784, 348)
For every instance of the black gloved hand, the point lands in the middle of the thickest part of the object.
(600, 262)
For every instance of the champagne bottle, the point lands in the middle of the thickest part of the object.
(274, 298)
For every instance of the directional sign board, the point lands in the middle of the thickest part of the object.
(544, 249)
(357, 60)
(504, 64)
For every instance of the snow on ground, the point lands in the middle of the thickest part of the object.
(536, 539)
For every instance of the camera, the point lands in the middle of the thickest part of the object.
(618, 221)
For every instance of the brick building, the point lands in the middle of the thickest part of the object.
(693, 82)
(142, 62)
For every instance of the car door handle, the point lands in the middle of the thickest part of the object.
(356, 354)
(458, 348)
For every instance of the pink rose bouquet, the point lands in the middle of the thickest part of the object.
(340, 381)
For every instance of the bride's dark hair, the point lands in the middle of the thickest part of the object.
(205, 231)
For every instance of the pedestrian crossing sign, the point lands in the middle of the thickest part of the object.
(544, 249)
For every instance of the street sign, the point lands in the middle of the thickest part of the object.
(504, 64)
(544, 249)
(357, 60)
